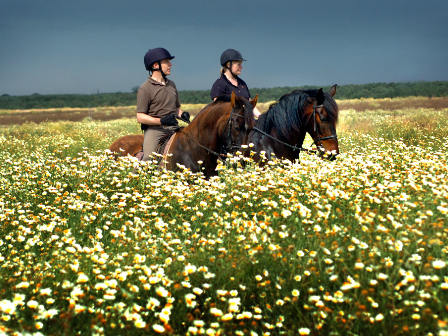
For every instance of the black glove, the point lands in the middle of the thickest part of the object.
(185, 116)
(169, 120)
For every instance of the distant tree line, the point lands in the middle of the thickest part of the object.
(374, 90)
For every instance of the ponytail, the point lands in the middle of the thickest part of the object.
(223, 70)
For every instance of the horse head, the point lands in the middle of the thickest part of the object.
(321, 123)
(240, 122)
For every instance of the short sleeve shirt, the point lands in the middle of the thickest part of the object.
(222, 86)
(157, 99)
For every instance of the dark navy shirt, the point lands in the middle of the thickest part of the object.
(222, 86)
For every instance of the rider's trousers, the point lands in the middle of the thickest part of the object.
(153, 135)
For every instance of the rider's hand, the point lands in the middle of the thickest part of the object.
(185, 116)
(169, 120)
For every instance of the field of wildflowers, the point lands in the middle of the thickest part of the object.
(357, 246)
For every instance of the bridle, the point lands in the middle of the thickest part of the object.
(230, 146)
(225, 148)
(317, 142)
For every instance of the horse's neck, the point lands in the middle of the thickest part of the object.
(295, 137)
(295, 134)
(207, 136)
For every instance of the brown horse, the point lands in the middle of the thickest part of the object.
(282, 129)
(220, 127)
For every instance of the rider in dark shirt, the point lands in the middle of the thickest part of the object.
(231, 61)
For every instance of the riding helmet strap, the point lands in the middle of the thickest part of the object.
(160, 69)
(230, 69)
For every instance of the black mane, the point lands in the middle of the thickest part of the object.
(287, 114)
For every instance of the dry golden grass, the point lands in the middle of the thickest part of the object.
(193, 109)
(392, 104)
(18, 117)
(385, 104)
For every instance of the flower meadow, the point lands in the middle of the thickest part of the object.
(356, 246)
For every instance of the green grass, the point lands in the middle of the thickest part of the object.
(351, 247)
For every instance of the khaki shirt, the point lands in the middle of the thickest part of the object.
(157, 99)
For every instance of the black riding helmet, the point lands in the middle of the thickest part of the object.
(231, 55)
(156, 55)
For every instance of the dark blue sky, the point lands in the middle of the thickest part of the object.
(82, 46)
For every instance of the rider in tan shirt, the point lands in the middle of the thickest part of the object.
(157, 101)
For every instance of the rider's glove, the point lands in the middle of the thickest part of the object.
(185, 116)
(169, 120)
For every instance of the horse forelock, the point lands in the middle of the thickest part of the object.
(247, 110)
(242, 107)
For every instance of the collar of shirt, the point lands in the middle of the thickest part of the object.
(227, 80)
(153, 81)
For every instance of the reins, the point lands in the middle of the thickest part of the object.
(306, 150)
(284, 143)
(203, 147)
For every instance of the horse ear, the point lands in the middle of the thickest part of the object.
(254, 101)
(333, 90)
(232, 99)
(320, 97)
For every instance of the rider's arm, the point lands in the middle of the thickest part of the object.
(145, 119)
(179, 112)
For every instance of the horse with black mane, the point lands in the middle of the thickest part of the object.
(282, 129)
(221, 127)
